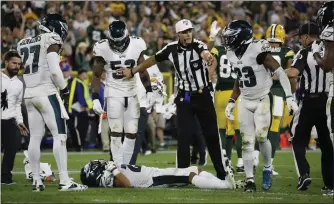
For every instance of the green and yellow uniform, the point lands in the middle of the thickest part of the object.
(224, 86)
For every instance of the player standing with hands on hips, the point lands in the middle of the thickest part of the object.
(191, 59)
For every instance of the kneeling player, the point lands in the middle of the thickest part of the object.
(101, 173)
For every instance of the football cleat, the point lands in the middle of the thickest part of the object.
(304, 182)
(275, 173)
(37, 186)
(72, 186)
(330, 192)
(230, 177)
(240, 169)
(266, 179)
(250, 187)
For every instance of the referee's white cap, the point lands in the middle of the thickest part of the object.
(183, 25)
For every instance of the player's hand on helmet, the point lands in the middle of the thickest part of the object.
(292, 105)
(214, 31)
(97, 108)
(110, 166)
(127, 72)
(229, 109)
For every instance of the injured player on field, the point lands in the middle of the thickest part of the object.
(102, 173)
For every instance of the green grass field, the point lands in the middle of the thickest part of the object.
(283, 190)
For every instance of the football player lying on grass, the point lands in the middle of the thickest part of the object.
(102, 173)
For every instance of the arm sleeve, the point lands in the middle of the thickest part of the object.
(80, 95)
(57, 76)
(299, 60)
(284, 81)
(163, 54)
(19, 118)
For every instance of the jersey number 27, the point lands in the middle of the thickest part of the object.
(26, 52)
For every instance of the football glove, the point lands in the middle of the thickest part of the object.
(97, 108)
(229, 109)
(111, 166)
(214, 31)
(292, 105)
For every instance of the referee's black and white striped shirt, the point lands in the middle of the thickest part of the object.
(191, 70)
(313, 80)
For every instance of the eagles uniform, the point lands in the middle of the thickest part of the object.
(94, 174)
(42, 76)
(224, 86)
(122, 101)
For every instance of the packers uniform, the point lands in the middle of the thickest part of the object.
(275, 33)
(224, 86)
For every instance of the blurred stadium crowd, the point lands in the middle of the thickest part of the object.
(152, 20)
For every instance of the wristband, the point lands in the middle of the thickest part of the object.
(95, 96)
(231, 100)
(64, 91)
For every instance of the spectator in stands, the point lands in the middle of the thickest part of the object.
(82, 58)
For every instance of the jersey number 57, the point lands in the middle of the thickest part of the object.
(116, 65)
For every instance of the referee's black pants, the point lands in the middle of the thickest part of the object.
(78, 126)
(10, 141)
(201, 105)
(312, 112)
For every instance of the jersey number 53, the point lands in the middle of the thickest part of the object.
(116, 65)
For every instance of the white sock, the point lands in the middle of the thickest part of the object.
(60, 154)
(248, 158)
(272, 160)
(34, 153)
(265, 148)
(128, 148)
(207, 175)
(116, 149)
(202, 182)
(240, 162)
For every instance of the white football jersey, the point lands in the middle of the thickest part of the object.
(116, 86)
(37, 75)
(254, 79)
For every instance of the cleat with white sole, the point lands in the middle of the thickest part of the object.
(72, 186)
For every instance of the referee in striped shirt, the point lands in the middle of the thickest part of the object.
(191, 59)
(312, 97)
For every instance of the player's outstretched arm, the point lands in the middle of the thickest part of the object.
(144, 76)
(236, 90)
(53, 59)
(326, 63)
(129, 73)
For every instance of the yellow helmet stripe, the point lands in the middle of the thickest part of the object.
(273, 29)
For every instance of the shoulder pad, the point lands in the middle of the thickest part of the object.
(327, 33)
(51, 39)
(140, 43)
(97, 49)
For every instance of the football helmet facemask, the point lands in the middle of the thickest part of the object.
(236, 33)
(119, 38)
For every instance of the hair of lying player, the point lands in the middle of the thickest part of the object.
(10, 54)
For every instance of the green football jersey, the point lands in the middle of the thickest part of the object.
(225, 73)
(282, 55)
